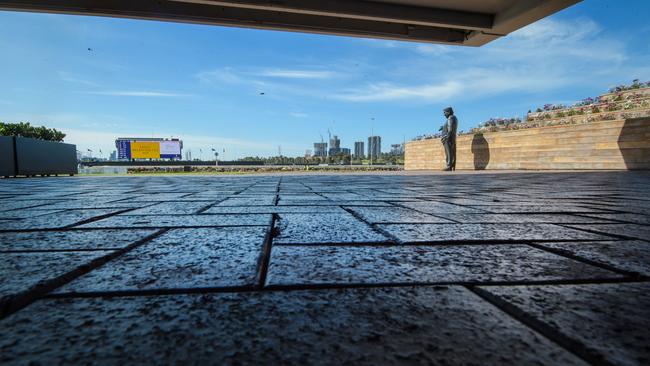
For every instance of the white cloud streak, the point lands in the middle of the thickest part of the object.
(139, 93)
(386, 92)
(296, 74)
(75, 79)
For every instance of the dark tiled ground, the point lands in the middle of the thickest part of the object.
(510, 268)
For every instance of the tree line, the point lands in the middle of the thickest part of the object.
(25, 129)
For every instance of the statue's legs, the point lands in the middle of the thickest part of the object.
(450, 153)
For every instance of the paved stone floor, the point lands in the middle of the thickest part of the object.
(510, 268)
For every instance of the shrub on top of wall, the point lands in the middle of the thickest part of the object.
(24, 129)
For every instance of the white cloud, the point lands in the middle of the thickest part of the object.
(229, 75)
(387, 92)
(433, 49)
(379, 43)
(296, 74)
(74, 78)
(556, 31)
(224, 75)
(298, 114)
(139, 93)
(557, 41)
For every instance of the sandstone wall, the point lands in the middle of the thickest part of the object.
(618, 144)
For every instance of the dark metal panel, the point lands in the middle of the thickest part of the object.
(243, 17)
(7, 158)
(45, 157)
(368, 10)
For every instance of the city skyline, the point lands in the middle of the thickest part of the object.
(357, 151)
(248, 91)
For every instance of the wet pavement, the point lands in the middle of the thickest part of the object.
(490, 269)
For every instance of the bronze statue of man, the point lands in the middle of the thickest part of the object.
(448, 138)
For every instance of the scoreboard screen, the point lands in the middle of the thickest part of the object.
(139, 149)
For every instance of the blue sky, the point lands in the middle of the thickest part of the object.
(203, 83)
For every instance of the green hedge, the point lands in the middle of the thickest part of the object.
(24, 129)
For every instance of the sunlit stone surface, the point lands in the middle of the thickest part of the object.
(507, 268)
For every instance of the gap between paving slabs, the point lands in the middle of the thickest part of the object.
(18, 301)
(540, 327)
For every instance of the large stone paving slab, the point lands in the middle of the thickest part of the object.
(623, 217)
(418, 264)
(413, 233)
(181, 258)
(24, 213)
(56, 220)
(331, 203)
(610, 321)
(8, 205)
(273, 209)
(376, 215)
(22, 272)
(264, 200)
(159, 196)
(434, 207)
(631, 231)
(123, 202)
(507, 219)
(345, 196)
(324, 228)
(538, 208)
(288, 198)
(145, 221)
(71, 240)
(381, 326)
(630, 256)
(171, 208)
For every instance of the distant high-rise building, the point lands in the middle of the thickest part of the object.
(308, 153)
(113, 156)
(358, 150)
(335, 145)
(344, 151)
(320, 149)
(397, 149)
(374, 147)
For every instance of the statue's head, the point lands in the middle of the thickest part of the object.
(448, 111)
